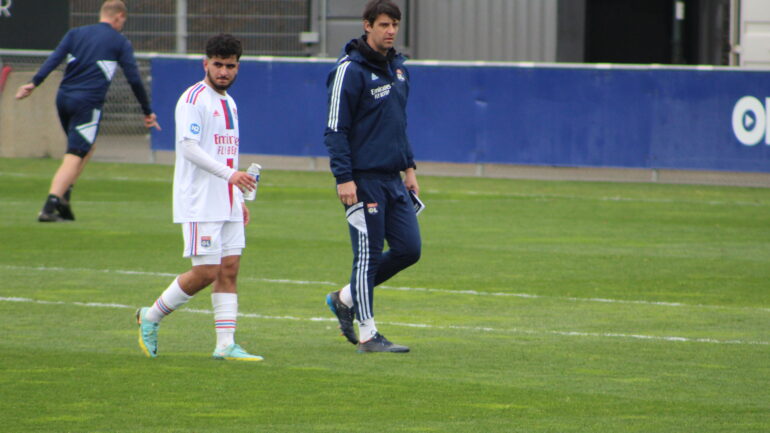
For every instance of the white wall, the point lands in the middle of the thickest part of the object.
(754, 33)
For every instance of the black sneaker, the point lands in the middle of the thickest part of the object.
(63, 206)
(65, 211)
(344, 316)
(379, 343)
(45, 217)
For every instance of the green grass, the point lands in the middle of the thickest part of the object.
(536, 307)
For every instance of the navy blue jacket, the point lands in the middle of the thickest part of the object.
(366, 128)
(93, 52)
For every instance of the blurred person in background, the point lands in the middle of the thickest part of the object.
(92, 53)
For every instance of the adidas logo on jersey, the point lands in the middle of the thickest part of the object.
(217, 113)
(375, 77)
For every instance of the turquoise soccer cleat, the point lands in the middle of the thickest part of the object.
(148, 333)
(235, 352)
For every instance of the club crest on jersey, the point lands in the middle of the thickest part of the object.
(371, 208)
(205, 241)
(400, 75)
(195, 128)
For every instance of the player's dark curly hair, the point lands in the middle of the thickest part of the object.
(224, 45)
(376, 8)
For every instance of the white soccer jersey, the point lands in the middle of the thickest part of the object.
(211, 119)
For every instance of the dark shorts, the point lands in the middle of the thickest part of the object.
(80, 121)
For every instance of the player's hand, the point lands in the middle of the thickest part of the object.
(347, 193)
(151, 121)
(243, 180)
(410, 181)
(25, 90)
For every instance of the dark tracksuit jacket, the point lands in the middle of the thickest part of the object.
(92, 54)
(367, 143)
(366, 128)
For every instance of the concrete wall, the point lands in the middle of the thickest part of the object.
(30, 127)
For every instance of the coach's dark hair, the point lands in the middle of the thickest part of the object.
(224, 45)
(376, 8)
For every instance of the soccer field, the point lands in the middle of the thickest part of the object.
(536, 307)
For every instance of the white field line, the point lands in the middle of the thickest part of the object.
(471, 193)
(404, 289)
(419, 325)
(613, 198)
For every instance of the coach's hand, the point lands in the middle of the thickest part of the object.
(410, 180)
(243, 180)
(347, 193)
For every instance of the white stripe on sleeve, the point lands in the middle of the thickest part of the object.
(334, 104)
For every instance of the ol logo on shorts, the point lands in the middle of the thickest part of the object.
(195, 128)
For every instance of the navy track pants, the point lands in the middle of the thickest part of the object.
(384, 213)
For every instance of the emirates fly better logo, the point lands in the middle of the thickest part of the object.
(751, 120)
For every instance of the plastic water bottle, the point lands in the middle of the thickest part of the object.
(253, 170)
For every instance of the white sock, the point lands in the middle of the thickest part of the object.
(366, 330)
(345, 296)
(225, 317)
(171, 299)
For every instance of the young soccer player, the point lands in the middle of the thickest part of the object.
(208, 202)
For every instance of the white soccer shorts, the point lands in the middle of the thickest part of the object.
(206, 243)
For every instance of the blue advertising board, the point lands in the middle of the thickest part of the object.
(281, 105)
(635, 117)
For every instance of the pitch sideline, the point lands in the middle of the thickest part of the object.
(418, 325)
(407, 289)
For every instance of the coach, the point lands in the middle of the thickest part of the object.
(368, 148)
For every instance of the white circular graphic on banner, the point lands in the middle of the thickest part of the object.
(749, 120)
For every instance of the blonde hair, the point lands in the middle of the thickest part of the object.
(110, 8)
